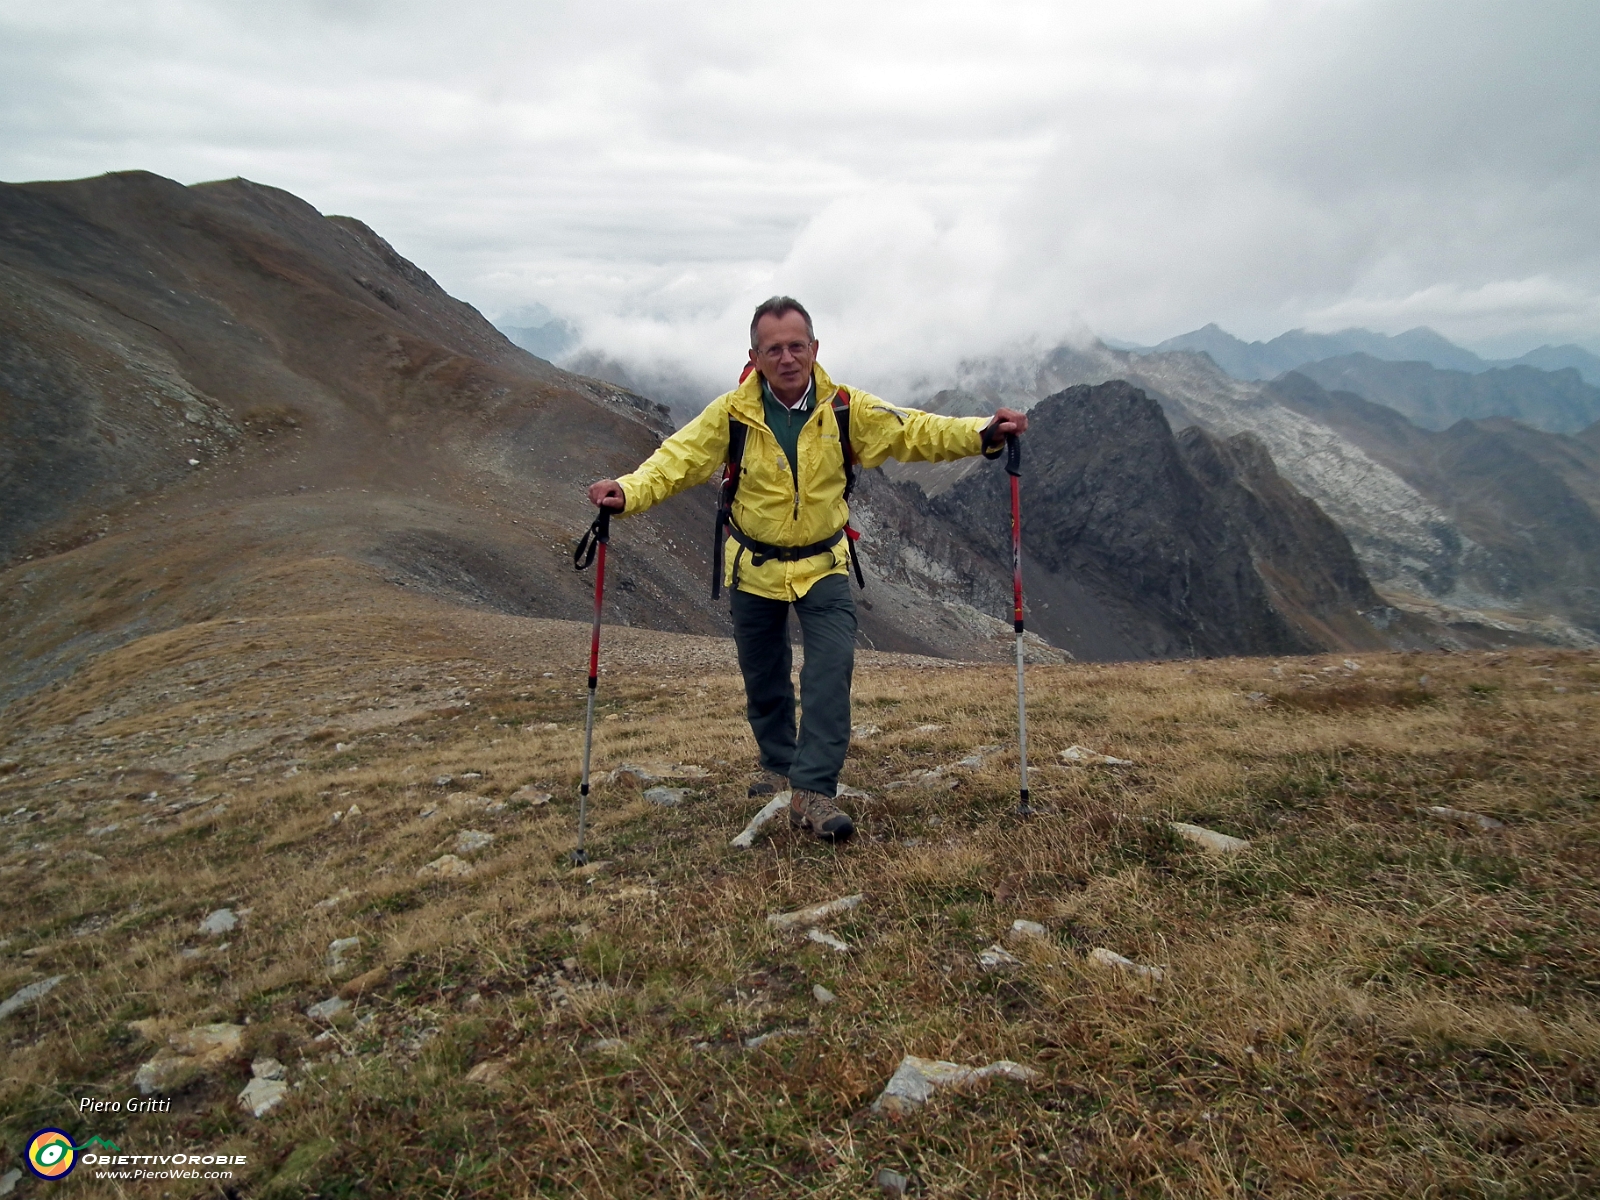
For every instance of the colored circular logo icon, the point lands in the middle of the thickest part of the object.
(50, 1154)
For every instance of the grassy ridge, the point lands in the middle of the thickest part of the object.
(1369, 1002)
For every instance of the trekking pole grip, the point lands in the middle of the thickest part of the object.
(599, 532)
(1013, 454)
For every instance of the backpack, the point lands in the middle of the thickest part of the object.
(762, 552)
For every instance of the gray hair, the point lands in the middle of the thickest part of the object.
(779, 306)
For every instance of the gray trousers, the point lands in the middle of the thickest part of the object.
(828, 629)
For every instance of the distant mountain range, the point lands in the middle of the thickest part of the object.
(1289, 351)
(1488, 524)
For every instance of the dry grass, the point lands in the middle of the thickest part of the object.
(1369, 1002)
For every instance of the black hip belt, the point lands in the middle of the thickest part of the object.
(762, 552)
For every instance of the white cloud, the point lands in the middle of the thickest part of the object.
(933, 179)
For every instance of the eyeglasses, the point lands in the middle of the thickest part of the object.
(793, 349)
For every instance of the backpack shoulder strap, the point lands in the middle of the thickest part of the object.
(841, 415)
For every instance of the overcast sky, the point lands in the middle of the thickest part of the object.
(932, 178)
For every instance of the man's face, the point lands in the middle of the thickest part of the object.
(784, 353)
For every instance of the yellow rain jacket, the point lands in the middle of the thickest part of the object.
(768, 507)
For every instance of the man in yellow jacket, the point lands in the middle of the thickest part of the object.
(787, 545)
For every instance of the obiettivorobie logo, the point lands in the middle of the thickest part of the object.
(51, 1154)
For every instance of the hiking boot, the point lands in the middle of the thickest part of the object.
(768, 784)
(820, 816)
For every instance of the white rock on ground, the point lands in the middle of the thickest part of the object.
(916, 1079)
(470, 841)
(610, 1046)
(530, 795)
(823, 938)
(758, 823)
(189, 1053)
(27, 995)
(861, 732)
(261, 1096)
(489, 1072)
(891, 1183)
(761, 1039)
(268, 1068)
(446, 866)
(1079, 754)
(8, 1181)
(339, 952)
(816, 914)
(327, 1010)
(1208, 840)
(997, 958)
(1025, 929)
(841, 792)
(821, 994)
(1111, 960)
(1461, 816)
(220, 922)
(666, 797)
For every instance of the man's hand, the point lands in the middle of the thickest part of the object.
(1008, 421)
(608, 492)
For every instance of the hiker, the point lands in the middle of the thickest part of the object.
(788, 541)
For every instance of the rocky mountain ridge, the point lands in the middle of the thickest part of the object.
(1412, 542)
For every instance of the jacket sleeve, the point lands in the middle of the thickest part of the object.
(879, 431)
(687, 458)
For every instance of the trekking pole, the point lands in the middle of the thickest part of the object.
(1014, 469)
(594, 540)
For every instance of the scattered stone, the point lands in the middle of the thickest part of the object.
(1022, 930)
(531, 796)
(1460, 816)
(1208, 840)
(649, 774)
(759, 822)
(491, 1072)
(327, 1010)
(816, 914)
(928, 729)
(634, 776)
(446, 866)
(261, 1096)
(268, 1068)
(426, 813)
(997, 958)
(916, 1079)
(338, 964)
(470, 841)
(891, 1183)
(220, 922)
(1258, 697)
(614, 1047)
(1351, 664)
(443, 781)
(821, 994)
(27, 995)
(165, 1073)
(1079, 754)
(581, 930)
(335, 817)
(353, 811)
(761, 1039)
(336, 899)
(972, 762)
(1111, 960)
(823, 938)
(862, 732)
(841, 792)
(8, 1181)
(666, 797)
(934, 778)
(590, 870)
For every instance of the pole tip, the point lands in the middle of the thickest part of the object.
(579, 858)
